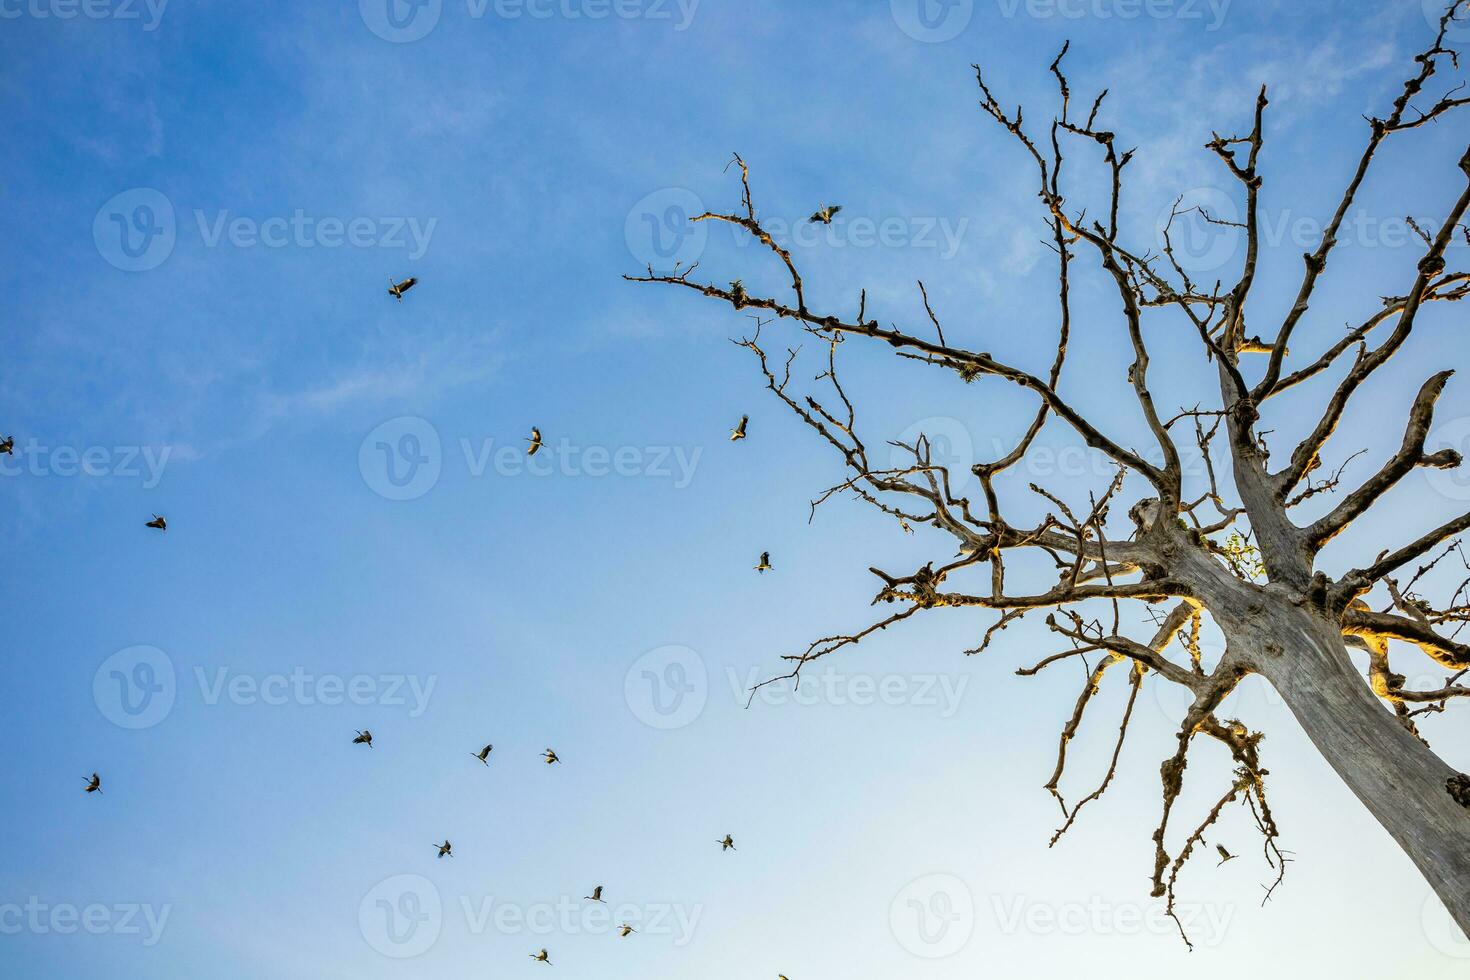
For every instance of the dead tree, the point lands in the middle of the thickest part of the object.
(1227, 551)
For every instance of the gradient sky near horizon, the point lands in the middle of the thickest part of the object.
(204, 203)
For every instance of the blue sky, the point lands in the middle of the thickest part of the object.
(238, 367)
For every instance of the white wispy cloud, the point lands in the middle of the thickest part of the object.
(420, 373)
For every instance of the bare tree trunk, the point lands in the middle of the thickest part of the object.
(1396, 776)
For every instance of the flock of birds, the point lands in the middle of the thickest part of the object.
(365, 736)
(446, 849)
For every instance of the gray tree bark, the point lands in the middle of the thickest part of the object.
(1395, 775)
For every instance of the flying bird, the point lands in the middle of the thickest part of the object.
(446, 849)
(364, 737)
(7, 445)
(157, 522)
(824, 214)
(626, 930)
(94, 785)
(1224, 854)
(397, 289)
(765, 562)
(728, 844)
(535, 441)
(541, 957)
(484, 754)
(551, 757)
(596, 895)
(738, 432)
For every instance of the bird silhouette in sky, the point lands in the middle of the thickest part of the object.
(728, 844)
(1224, 854)
(484, 754)
(94, 785)
(535, 442)
(738, 432)
(596, 895)
(7, 445)
(157, 522)
(541, 957)
(765, 562)
(446, 849)
(364, 737)
(626, 930)
(551, 757)
(397, 289)
(824, 214)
